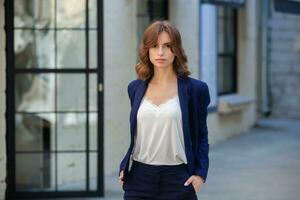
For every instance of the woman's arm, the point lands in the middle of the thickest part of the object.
(202, 160)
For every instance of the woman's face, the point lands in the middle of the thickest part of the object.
(160, 54)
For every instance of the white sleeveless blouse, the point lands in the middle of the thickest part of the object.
(159, 139)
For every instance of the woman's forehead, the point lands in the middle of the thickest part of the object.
(163, 37)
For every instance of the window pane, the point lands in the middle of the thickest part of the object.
(71, 13)
(71, 92)
(221, 36)
(93, 51)
(93, 165)
(71, 131)
(34, 92)
(93, 116)
(220, 11)
(92, 13)
(35, 172)
(93, 130)
(34, 132)
(71, 49)
(227, 39)
(143, 18)
(228, 12)
(229, 34)
(149, 10)
(34, 48)
(226, 75)
(71, 171)
(158, 9)
(93, 92)
(34, 13)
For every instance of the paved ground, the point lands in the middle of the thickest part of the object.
(262, 164)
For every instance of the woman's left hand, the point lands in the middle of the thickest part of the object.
(196, 181)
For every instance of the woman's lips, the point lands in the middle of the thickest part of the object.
(160, 60)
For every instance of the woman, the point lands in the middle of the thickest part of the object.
(169, 142)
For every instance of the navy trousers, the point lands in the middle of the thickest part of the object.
(157, 182)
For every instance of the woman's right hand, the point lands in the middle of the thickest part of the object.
(121, 176)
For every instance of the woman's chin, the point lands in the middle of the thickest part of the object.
(161, 65)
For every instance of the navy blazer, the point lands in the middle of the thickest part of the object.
(194, 99)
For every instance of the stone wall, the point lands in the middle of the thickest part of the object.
(284, 64)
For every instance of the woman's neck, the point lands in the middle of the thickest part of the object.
(163, 76)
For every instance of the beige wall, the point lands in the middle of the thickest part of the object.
(2, 104)
(185, 16)
(119, 60)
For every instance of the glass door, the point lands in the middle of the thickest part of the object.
(55, 98)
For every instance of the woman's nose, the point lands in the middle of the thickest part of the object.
(160, 50)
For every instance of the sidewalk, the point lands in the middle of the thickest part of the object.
(262, 164)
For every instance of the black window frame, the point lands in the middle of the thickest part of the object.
(11, 72)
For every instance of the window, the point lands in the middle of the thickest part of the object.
(148, 11)
(54, 66)
(227, 50)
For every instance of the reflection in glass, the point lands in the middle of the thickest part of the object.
(34, 132)
(51, 107)
(93, 13)
(34, 93)
(71, 49)
(35, 172)
(34, 48)
(93, 92)
(93, 130)
(226, 50)
(226, 73)
(71, 90)
(71, 13)
(34, 13)
(226, 29)
(71, 131)
(71, 171)
(229, 35)
(143, 18)
(221, 36)
(93, 171)
(93, 51)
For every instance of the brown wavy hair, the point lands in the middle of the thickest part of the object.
(144, 68)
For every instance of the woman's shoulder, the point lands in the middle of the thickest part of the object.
(200, 89)
(196, 83)
(134, 83)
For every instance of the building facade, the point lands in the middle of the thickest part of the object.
(64, 71)
(284, 59)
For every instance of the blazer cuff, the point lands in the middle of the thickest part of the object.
(200, 173)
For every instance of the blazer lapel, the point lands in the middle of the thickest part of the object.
(140, 91)
(184, 100)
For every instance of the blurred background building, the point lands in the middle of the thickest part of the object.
(65, 66)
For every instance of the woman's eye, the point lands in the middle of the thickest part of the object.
(168, 45)
(155, 46)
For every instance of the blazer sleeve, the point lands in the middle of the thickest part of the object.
(130, 90)
(201, 157)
